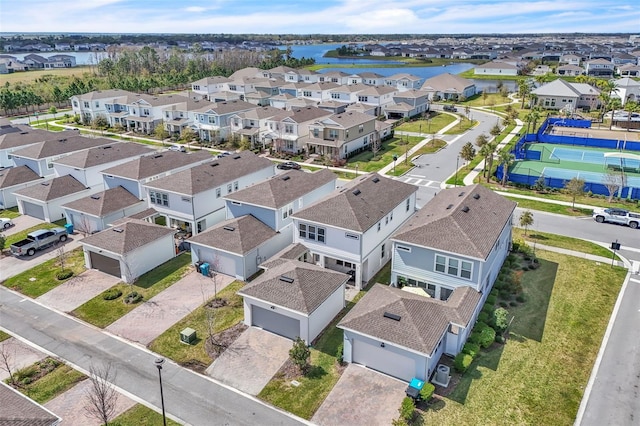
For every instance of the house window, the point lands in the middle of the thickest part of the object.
(288, 128)
(86, 104)
(445, 293)
(382, 252)
(229, 189)
(455, 267)
(306, 93)
(335, 96)
(361, 128)
(159, 198)
(233, 87)
(391, 216)
(408, 204)
(404, 248)
(97, 104)
(212, 120)
(218, 192)
(379, 224)
(363, 98)
(441, 262)
(235, 185)
(386, 220)
(312, 232)
(352, 236)
(287, 211)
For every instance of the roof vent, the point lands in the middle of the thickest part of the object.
(476, 196)
(392, 316)
(62, 140)
(465, 209)
(286, 279)
(449, 206)
(157, 156)
(95, 196)
(356, 192)
(237, 156)
(461, 194)
(24, 133)
(107, 147)
(375, 180)
(215, 164)
(118, 230)
(45, 184)
(285, 177)
(228, 228)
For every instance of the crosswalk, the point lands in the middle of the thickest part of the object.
(419, 181)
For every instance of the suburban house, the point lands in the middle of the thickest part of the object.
(129, 249)
(237, 246)
(294, 299)
(448, 86)
(570, 59)
(349, 229)
(570, 70)
(44, 200)
(91, 105)
(213, 121)
(98, 211)
(275, 199)
(403, 81)
(370, 78)
(86, 165)
(191, 199)
(341, 135)
(135, 173)
(627, 89)
(209, 86)
(599, 68)
(377, 97)
(337, 77)
(13, 179)
(629, 70)
(559, 94)
(316, 91)
(452, 248)
(496, 68)
(179, 116)
(39, 157)
(251, 125)
(408, 103)
(15, 137)
(289, 131)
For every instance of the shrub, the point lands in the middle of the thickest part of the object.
(462, 362)
(483, 316)
(471, 349)
(111, 294)
(491, 300)
(340, 354)
(427, 391)
(500, 320)
(520, 298)
(494, 293)
(487, 336)
(474, 337)
(505, 294)
(63, 275)
(300, 354)
(488, 309)
(499, 338)
(133, 297)
(407, 408)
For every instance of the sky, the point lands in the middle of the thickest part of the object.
(320, 17)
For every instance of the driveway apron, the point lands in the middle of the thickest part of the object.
(155, 316)
(20, 355)
(78, 290)
(21, 223)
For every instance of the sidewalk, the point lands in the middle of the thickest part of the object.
(624, 263)
(545, 200)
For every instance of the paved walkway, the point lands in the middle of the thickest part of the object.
(78, 290)
(546, 200)
(155, 316)
(624, 263)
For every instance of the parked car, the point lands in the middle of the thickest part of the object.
(38, 240)
(289, 165)
(178, 148)
(450, 108)
(619, 216)
(5, 223)
(224, 154)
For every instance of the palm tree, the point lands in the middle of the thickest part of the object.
(533, 118)
(614, 104)
(505, 159)
(487, 150)
(523, 91)
(631, 107)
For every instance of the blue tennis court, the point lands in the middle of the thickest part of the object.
(592, 157)
(586, 176)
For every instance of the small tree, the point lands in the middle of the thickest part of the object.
(467, 152)
(526, 220)
(3, 243)
(53, 111)
(613, 182)
(407, 409)
(481, 140)
(300, 354)
(539, 185)
(161, 133)
(7, 353)
(376, 144)
(575, 188)
(495, 130)
(101, 395)
(506, 159)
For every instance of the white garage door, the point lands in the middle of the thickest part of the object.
(33, 210)
(384, 360)
(275, 322)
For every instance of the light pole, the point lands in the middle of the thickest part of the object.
(159, 362)
(455, 184)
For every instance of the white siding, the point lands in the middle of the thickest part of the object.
(148, 257)
(325, 313)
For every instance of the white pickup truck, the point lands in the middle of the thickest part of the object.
(619, 216)
(38, 240)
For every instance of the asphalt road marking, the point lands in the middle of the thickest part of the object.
(420, 182)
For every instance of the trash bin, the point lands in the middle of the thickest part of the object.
(69, 228)
(204, 269)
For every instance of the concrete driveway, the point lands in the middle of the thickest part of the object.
(155, 316)
(21, 223)
(78, 290)
(11, 265)
(69, 406)
(361, 397)
(251, 361)
(20, 355)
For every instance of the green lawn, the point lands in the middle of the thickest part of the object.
(561, 241)
(101, 312)
(139, 415)
(432, 125)
(366, 162)
(49, 385)
(462, 126)
(480, 101)
(23, 234)
(538, 377)
(45, 275)
(11, 213)
(169, 345)
(584, 199)
(4, 336)
(549, 207)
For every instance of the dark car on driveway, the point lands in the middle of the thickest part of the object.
(450, 108)
(289, 165)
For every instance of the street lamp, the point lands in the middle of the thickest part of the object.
(159, 362)
(455, 184)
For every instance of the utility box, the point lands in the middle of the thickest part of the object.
(188, 336)
(204, 269)
(69, 228)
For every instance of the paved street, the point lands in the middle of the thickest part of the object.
(188, 396)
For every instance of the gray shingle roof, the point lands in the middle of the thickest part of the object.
(127, 236)
(15, 136)
(105, 202)
(52, 189)
(444, 224)
(212, 174)
(423, 320)
(17, 409)
(360, 204)
(311, 285)
(238, 235)
(280, 190)
(447, 83)
(348, 119)
(17, 175)
(301, 115)
(62, 145)
(227, 107)
(104, 154)
(151, 165)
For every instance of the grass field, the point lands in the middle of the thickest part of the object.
(31, 76)
(538, 376)
(562, 242)
(139, 415)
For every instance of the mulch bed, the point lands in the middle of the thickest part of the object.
(222, 340)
